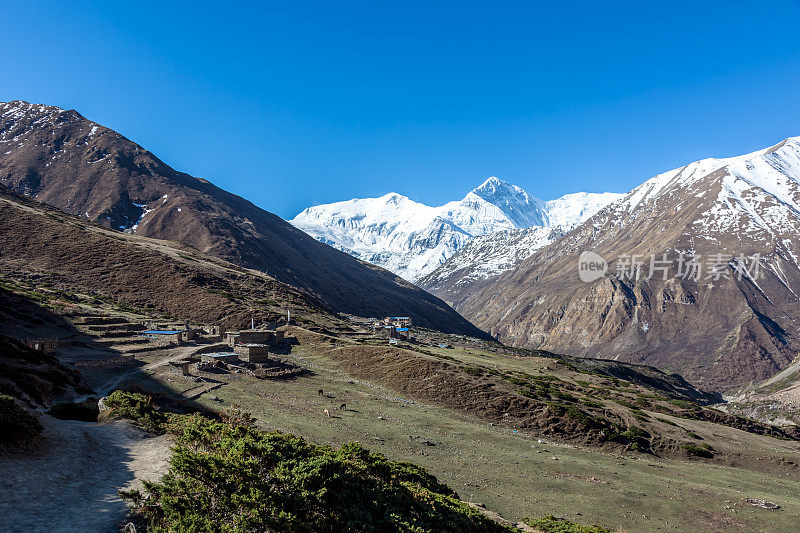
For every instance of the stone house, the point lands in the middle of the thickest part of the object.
(252, 353)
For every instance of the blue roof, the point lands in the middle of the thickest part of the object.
(402, 329)
(221, 354)
(161, 332)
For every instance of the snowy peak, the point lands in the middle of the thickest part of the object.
(502, 193)
(749, 198)
(519, 208)
(412, 239)
(38, 114)
(696, 176)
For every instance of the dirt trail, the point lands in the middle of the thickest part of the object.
(176, 354)
(69, 482)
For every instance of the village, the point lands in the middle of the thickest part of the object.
(369, 379)
(112, 347)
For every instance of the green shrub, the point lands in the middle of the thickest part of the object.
(564, 396)
(638, 437)
(683, 404)
(472, 370)
(545, 378)
(591, 403)
(625, 403)
(16, 422)
(529, 393)
(576, 414)
(139, 409)
(551, 524)
(699, 451)
(227, 476)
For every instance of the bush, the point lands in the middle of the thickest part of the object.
(638, 437)
(229, 476)
(564, 396)
(683, 404)
(472, 370)
(699, 451)
(16, 422)
(551, 524)
(139, 409)
(580, 416)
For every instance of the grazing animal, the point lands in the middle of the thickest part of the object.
(327, 413)
(320, 392)
(343, 407)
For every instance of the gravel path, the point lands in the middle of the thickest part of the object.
(69, 482)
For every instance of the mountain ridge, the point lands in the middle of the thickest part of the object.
(61, 158)
(719, 332)
(412, 239)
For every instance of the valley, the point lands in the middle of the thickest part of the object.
(391, 267)
(490, 455)
(129, 335)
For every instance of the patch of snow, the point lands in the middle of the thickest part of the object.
(135, 226)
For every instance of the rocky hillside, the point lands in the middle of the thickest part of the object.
(61, 158)
(412, 239)
(63, 255)
(578, 400)
(705, 310)
(775, 400)
(486, 257)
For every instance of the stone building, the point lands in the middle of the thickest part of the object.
(252, 353)
(255, 336)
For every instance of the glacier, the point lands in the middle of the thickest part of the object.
(412, 239)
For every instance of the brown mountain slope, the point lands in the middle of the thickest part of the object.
(51, 250)
(719, 333)
(65, 160)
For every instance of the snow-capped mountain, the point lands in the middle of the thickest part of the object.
(487, 256)
(717, 326)
(412, 239)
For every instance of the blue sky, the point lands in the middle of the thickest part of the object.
(296, 103)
